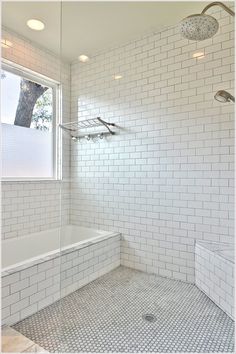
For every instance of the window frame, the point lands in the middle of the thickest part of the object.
(56, 120)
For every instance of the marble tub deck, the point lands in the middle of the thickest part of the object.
(15, 342)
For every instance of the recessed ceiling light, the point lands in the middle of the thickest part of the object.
(198, 55)
(35, 24)
(118, 77)
(83, 58)
(5, 43)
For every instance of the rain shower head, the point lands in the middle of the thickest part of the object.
(201, 26)
(224, 96)
(198, 27)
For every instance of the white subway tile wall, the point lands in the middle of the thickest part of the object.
(28, 291)
(215, 277)
(166, 178)
(29, 206)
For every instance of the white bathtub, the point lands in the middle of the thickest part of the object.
(40, 268)
(34, 248)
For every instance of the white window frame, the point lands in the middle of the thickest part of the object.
(56, 134)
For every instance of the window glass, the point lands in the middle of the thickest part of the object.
(27, 115)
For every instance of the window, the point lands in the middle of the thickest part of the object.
(29, 114)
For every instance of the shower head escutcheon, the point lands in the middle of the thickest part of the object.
(198, 27)
(224, 96)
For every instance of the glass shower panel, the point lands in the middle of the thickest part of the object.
(90, 250)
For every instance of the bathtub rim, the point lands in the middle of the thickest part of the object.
(201, 244)
(30, 262)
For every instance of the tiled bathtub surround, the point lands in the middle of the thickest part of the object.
(26, 291)
(166, 179)
(214, 272)
(19, 253)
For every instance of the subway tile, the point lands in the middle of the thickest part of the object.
(169, 162)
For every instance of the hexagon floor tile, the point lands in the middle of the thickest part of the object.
(107, 315)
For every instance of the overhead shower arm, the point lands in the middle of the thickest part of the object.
(218, 3)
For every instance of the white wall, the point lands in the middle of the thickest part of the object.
(167, 178)
(34, 206)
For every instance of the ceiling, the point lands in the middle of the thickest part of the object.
(91, 27)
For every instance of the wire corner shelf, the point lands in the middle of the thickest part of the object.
(74, 128)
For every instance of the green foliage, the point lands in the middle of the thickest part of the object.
(42, 113)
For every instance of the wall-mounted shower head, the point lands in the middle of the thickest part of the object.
(201, 26)
(198, 27)
(224, 96)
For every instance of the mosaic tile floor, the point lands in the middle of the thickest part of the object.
(107, 316)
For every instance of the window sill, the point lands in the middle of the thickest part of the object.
(27, 180)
